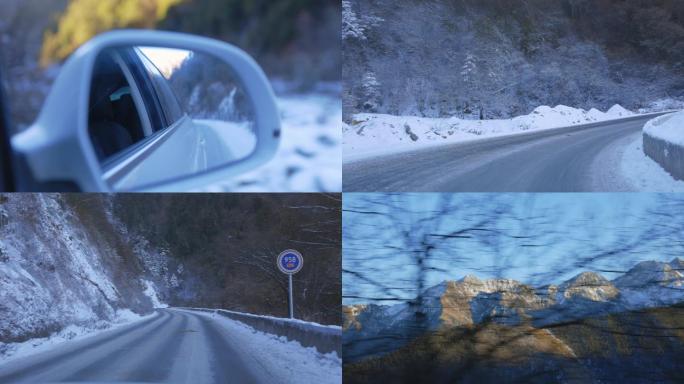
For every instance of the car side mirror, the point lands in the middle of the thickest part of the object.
(152, 111)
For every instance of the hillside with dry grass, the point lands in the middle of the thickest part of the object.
(634, 346)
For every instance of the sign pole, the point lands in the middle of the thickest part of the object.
(291, 302)
(290, 262)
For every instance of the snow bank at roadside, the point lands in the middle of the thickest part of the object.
(377, 134)
(325, 338)
(668, 128)
(293, 321)
(277, 357)
(11, 351)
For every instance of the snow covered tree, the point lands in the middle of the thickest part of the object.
(354, 26)
(469, 75)
(351, 25)
(371, 91)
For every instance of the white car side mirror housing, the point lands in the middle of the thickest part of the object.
(59, 147)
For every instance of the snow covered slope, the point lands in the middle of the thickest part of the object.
(57, 270)
(652, 284)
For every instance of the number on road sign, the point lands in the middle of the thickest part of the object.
(290, 261)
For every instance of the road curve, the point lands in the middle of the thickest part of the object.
(558, 160)
(171, 347)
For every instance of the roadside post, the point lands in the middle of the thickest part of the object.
(289, 263)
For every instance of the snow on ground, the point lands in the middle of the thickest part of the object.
(310, 156)
(377, 134)
(287, 360)
(668, 128)
(11, 351)
(642, 173)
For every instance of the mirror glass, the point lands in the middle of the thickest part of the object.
(157, 114)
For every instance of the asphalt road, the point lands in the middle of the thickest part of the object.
(171, 347)
(558, 160)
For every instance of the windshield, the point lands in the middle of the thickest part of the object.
(169, 288)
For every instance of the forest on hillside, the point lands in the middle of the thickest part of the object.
(228, 244)
(494, 58)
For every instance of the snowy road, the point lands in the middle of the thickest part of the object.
(174, 346)
(558, 160)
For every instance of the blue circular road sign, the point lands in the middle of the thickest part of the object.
(290, 261)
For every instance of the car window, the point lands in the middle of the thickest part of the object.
(114, 119)
(169, 102)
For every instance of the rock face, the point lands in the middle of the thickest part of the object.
(471, 302)
(651, 284)
(653, 273)
(350, 314)
(588, 286)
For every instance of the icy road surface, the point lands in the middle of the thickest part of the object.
(558, 160)
(177, 346)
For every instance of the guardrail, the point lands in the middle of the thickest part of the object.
(324, 338)
(669, 155)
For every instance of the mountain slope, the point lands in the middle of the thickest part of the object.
(629, 347)
(56, 270)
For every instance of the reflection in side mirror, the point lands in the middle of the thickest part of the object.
(157, 115)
